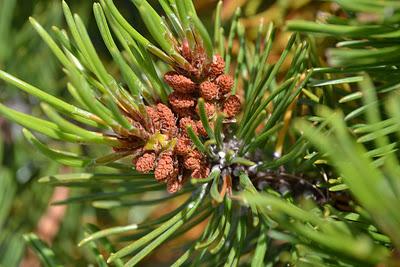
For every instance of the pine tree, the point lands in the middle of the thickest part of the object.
(294, 167)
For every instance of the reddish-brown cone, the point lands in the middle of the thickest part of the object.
(165, 166)
(231, 106)
(179, 82)
(185, 122)
(145, 163)
(174, 157)
(173, 185)
(225, 83)
(193, 160)
(183, 146)
(209, 90)
(192, 163)
(217, 66)
(154, 117)
(167, 120)
(202, 172)
(181, 101)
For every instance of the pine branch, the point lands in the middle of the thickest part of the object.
(320, 192)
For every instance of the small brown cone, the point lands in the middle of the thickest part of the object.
(165, 166)
(201, 173)
(231, 106)
(181, 101)
(209, 90)
(191, 163)
(225, 83)
(179, 82)
(185, 122)
(167, 120)
(173, 185)
(154, 117)
(145, 163)
(217, 66)
(183, 146)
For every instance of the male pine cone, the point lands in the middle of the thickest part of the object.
(180, 159)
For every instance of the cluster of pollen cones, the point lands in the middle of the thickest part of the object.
(168, 150)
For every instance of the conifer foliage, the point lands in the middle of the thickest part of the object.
(278, 177)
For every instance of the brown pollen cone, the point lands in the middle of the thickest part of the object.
(217, 66)
(154, 117)
(145, 163)
(202, 172)
(193, 160)
(174, 185)
(183, 146)
(191, 163)
(225, 83)
(185, 122)
(231, 106)
(196, 154)
(209, 90)
(165, 166)
(209, 107)
(179, 100)
(167, 119)
(179, 82)
(174, 157)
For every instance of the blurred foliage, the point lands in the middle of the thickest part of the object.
(23, 201)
